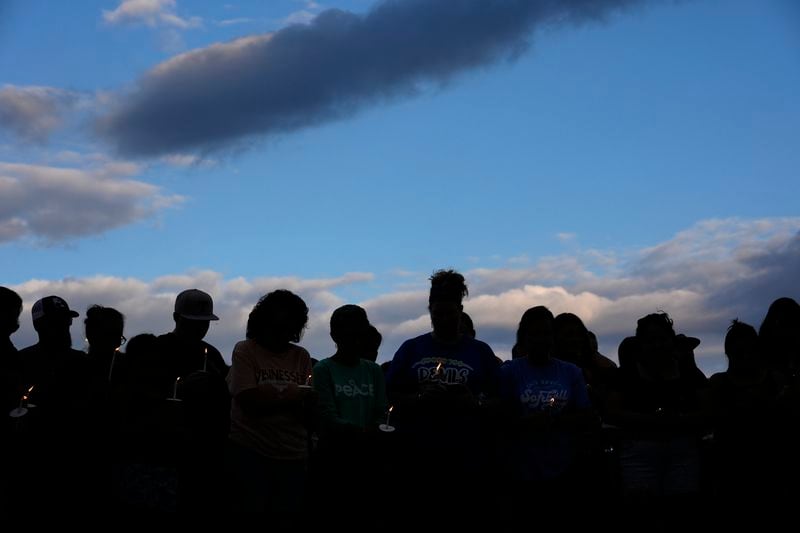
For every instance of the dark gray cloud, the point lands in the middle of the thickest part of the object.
(304, 75)
(32, 113)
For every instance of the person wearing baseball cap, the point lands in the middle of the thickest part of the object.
(184, 346)
(205, 399)
(68, 395)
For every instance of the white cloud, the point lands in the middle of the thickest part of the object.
(54, 204)
(303, 16)
(566, 237)
(151, 13)
(235, 21)
(754, 263)
(33, 112)
(148, 304)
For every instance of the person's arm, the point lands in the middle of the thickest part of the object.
(381, 403)
(259, 400)
(579, 415)
(402, 392)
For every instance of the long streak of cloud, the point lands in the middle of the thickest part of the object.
(308, 74)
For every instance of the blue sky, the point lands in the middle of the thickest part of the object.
(609, 166)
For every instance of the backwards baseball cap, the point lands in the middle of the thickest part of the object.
(51, 306)
(195, 304)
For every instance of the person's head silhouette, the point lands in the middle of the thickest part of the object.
(277, 320)
(349, 325)
(535, 337)
(52, 319)
(10, 309)
(104, 326)
(448, 289)
(194, 311)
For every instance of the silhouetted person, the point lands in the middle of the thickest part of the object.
(745, 441)
(104, 327)
(351, 405)
(547, 409)
(779, 336)
(268, 381)
(10, 309)
(152, 438)
(438, 383)
(466, 325)
(206, 402)
(372, 343)
(663, 408)
(779, 340)
(60, 437)
(10, 385)
(600, 359)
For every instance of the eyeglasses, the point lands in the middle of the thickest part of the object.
(122, 340)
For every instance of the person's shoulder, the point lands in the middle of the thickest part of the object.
(372, 366)
(167, 337)
(324, 364)
(511, 366)
(244, 348)
(298, 351)
(413, 344)
(481, 346)
(211, 348)
(566, 366)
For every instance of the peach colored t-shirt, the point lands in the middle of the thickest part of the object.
(279, 436)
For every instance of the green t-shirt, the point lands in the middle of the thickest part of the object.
(349, 395)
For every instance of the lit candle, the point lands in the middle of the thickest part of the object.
(308, 379)
(438, 371)
(175, 389)
(22, 410)
(205, 359)
(386, 427)
(111, 368)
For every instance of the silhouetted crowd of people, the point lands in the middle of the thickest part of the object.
(444, 435)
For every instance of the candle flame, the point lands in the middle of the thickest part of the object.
(30, 389)
(177, 380)
(390, 408)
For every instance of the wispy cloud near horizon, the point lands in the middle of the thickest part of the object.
(329, 68)
(756, 262)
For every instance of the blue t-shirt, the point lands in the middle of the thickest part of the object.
(434, 425)
(468, 362)
(556, 387)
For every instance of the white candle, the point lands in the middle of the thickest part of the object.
(175, 389)
(205, 359)
(111, 368)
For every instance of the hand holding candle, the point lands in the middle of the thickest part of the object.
(386, 427)
(113, 359)
(175, 391)
(22, 409)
